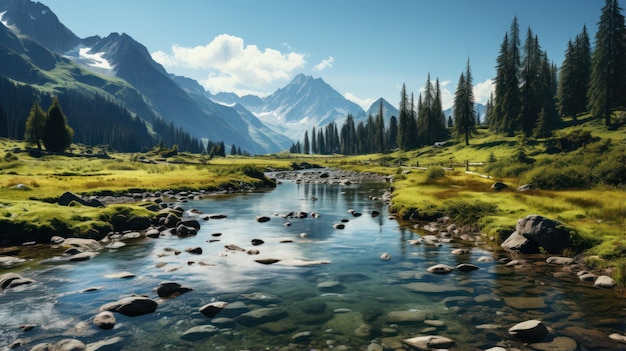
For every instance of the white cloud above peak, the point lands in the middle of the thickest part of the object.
(327, 63)
(230, 65)
(365, 103)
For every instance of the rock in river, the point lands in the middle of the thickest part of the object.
(261, 315)
(171, 289)
(199, 332)
(212, 309)
(104, 320)
(131, 306)
(428, 342)
(604, 281)
(440, 269)
(531, 330)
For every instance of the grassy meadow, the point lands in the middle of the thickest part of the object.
(429, 182)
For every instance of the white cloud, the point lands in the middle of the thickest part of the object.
(327, 63)
(364, 103)
(482, 91)
(229, 65)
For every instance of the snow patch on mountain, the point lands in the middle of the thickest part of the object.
(96, 60)
(93, 61)
(6, 23)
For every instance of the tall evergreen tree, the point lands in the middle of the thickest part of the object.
(314, 148)
(507, 95)
(35, 125)
(531, 89)
(574, 78)
(567, 101)
(347, 137)
(438, 118)
(464, 112)
(306, 142)
(412, 141)
(392, 133)
(403, 120)
(379, 136)
(321, 143)
(431, 121)
(57, 134)
(607, 90)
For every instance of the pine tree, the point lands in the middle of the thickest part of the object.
(314, 149)
(306, 142)
(233, 150)
(379, 137)
(567, 102)
(431, 121)
(507, 96)
(438, 117)
(607, 90)
(348, 140)
(321, 143)
(403, 120)
(57, 134)
(531, 89)
(35, 125)
(392, 133)
(574, 78)
(464, 112)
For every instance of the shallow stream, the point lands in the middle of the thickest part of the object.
(331, 286)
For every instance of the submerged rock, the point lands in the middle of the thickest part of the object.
(199, 332)
(261, 315)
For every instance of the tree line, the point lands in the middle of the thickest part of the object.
(531, 95)
(93, 120)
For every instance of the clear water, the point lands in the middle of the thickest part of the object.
(475, 309)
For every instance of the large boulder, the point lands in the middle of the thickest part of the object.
(131, 306)
(534, 233)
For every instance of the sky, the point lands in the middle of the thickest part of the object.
(365, 49)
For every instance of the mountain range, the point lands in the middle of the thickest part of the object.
(36, 49)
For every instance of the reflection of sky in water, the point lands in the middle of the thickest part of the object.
(57, 302)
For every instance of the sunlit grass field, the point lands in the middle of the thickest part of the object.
(428, 182)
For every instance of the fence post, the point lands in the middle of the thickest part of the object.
(466, 165)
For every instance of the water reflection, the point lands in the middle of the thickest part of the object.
(352, 300)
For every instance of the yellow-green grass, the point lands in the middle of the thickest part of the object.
(29, 185)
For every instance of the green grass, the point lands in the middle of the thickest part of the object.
(591, 204)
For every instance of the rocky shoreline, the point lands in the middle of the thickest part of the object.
(172, 220)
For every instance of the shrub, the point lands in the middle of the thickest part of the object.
(559, 178)
(464, 212)
(435, 173)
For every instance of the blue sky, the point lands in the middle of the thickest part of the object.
(364, 49)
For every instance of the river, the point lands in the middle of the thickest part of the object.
(364, 287)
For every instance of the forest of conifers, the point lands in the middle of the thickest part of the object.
(531, 96)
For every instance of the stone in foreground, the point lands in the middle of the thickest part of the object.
(428, 342)
(531, 330)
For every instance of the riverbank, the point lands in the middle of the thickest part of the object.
(32, 185)
(265, 276)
